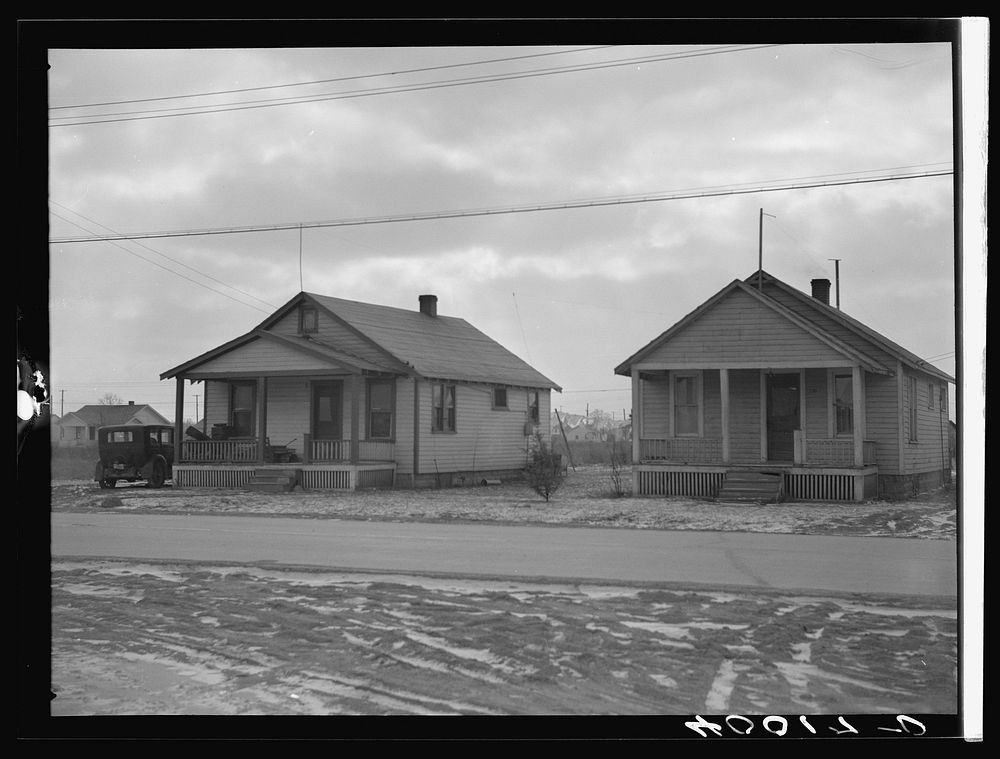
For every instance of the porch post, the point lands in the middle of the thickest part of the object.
(261, 418)
(636, 416)
(356, 389)
(857, 393)
(179, 421)
(724, 395)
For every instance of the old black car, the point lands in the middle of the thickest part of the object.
(135, 452)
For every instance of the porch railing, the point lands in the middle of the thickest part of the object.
(215, 451)
(835, 452)
(340, 450)
(681, 450)
(244, 450)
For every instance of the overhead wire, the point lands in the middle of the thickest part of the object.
(296, 100)
(741, 189)
(312, 82)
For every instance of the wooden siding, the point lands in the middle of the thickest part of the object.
(817, 410)
(655, 396)
(744, 422)
(332, 333)
(739, 329)
(883, 421)
(404, 424)
(288, 411)
(262, 356)
(486, 438)
(930, 450)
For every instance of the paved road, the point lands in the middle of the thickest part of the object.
(786, 562)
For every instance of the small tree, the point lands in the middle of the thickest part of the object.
(111, 399)
(618, 461)
(544, 471)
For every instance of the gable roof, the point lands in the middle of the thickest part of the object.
(98, 415)
(403, 342)
(809, 314)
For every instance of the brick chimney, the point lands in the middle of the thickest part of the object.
(429, 305)
(821, 290)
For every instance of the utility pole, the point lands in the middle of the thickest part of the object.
(760, 248)
(62, 403)
(836, 265)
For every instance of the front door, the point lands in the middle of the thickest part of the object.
(782, 416)
(327, 410)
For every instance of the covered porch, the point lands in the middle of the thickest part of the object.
(699, 428)
(327, 424)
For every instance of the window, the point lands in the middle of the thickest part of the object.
(380, 404)
(913, 400)
(843, 404)
(533, 406)
(499, 397)
(930, 395)
(687, 404)
(79, 433)
(241, 396)
(443, 408)
(308, 320)
(120, 436)
(943, 405)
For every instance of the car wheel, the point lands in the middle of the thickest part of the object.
(158, 476)
(108, 483)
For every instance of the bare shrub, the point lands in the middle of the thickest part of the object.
(544, 471)
(619, 457)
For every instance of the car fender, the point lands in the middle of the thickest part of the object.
(147, 470)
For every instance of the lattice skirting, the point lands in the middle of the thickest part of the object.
(699, 484)
(311, 478)
(798, 486)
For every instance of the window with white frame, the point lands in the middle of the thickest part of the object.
(686, 388)
(533, 413)
(499, 397)
(843, 404)
(380, 405)
(443, 408)
(242, 397)
(308, 320)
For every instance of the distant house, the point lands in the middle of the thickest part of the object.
(763, 382)
(350, 395)
(79, 428)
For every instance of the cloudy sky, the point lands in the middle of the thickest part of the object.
(650, 165)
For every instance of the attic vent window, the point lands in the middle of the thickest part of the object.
(308, 320)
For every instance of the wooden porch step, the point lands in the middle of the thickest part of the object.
(751, 487)
(274, 481)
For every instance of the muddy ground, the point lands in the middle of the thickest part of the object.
(135, 638)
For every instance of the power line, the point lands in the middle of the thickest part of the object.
(113, 240)
(252, 105)
(421, 70)
(558, 206)
(174, 260)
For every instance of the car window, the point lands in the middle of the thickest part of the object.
(120, 436)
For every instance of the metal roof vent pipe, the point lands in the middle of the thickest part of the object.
(429, 305)
(821, 290)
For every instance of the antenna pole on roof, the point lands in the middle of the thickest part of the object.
(301, 288)
(760, 248)
(836, 265)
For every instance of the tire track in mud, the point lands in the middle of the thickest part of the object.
(152, 639)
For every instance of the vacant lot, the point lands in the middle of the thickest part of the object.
(147, 639)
